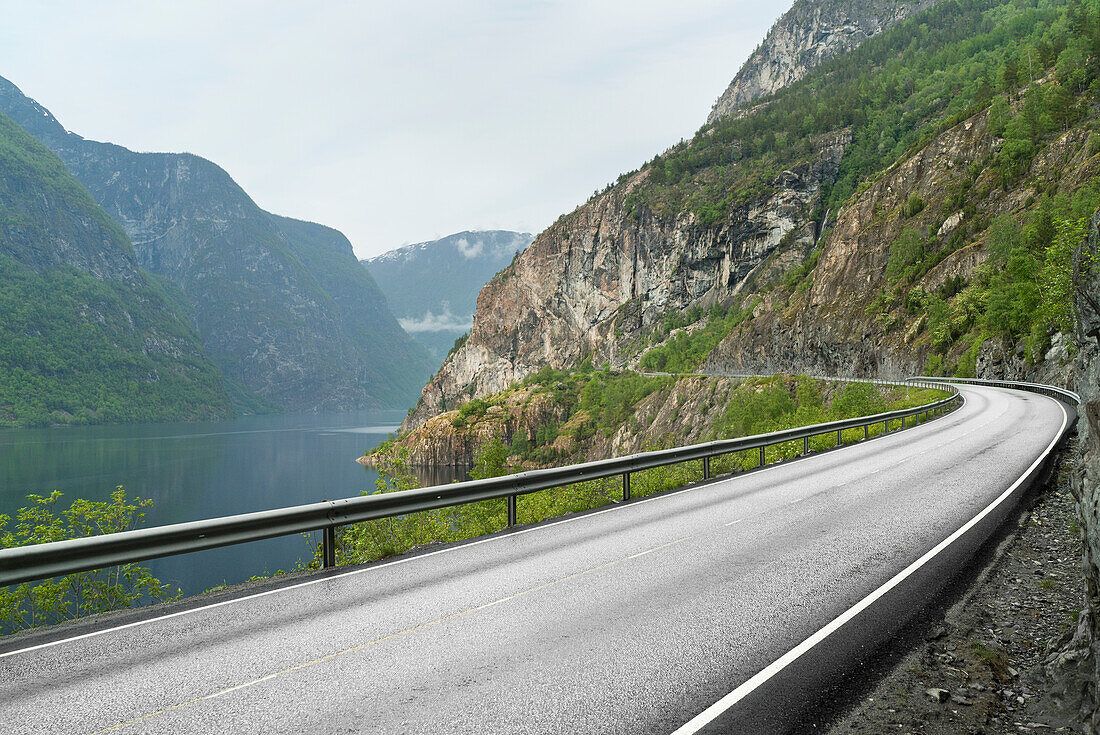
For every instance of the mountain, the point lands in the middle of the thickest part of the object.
(283, 307)
(807, 34)
(86, 336)
(897, 210)
(432, 287)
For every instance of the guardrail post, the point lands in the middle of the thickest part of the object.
(626, 486)
(805, 445)
(839, 438)
(511, 510)
(761, 456)
(328, 546)
(706, 468)
(866, 431)
(886, 426)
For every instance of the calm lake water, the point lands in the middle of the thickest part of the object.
(203, 470)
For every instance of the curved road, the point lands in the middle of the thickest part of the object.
(632, 619)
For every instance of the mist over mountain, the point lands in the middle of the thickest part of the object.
(283, 307)
(432, 286)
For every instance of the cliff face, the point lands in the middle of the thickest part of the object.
(604, 273)
(283, 307)
(860, 251)
(808, 34)
(1086, 472)
(842, 325)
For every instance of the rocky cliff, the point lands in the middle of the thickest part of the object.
(808, 34)
(605, 272)
(853, 319)
(283, 307)
(864, 249)
(1086, 464)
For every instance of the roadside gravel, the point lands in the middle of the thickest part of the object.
(1001, 658)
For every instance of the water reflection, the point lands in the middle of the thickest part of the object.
(439, 475)
(194, 471)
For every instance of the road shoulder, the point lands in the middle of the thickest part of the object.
(998, 656)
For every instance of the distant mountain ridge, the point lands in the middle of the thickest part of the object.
(432, 286)
(283, 307)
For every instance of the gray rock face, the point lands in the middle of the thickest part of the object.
(602, 272)
(1086, 474)
(283, 307)
(811, 32)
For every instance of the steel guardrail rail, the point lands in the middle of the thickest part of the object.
(1061, 394)
(41, 561)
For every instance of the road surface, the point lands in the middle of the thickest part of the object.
(632, 619)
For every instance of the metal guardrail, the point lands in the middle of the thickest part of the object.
(40, 561)
(1047, 390)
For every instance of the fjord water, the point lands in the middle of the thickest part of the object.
(201, 470)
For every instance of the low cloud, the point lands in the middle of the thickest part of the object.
(443, 322)
(468, 249)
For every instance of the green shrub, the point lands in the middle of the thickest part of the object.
(83, 593)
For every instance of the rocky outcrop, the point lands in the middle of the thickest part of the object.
(283, 307)
(605, 272)
(452, 439)
(836, 326)
(808, 34)
(1086, 473)
(829, 329)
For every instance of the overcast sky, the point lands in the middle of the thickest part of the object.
(394, 122)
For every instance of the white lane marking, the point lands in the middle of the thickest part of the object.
(735, 522)
(300, 585)
(392, 636)
(712, 712)
(657, 548)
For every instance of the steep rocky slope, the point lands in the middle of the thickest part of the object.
(854, 319)
(605, 270)
(851, 216)
(1086, 474)
(807, 34)
(85, 335)
(432, 286)
(283, 307)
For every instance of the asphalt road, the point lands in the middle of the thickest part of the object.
(632, 619)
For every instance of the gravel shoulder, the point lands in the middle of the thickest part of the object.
(999, 655)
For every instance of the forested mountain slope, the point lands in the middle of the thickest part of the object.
(283, 307)
(896, 210)
(85, 335)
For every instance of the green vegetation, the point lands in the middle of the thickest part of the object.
(892, 94)
(84, 593)
(78, 350)
(686, 350)
(759, 405)
(1021, 294)
(98, 343)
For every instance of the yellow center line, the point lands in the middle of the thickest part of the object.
(383, 639)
